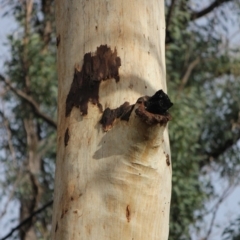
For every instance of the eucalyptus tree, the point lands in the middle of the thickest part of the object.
(113, 169)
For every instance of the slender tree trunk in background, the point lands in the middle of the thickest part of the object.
(113, 177)
(29, 200)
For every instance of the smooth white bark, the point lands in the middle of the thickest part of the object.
(115, 184)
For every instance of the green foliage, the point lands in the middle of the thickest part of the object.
(186, 190)
(203, 83)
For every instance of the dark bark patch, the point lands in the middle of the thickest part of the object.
(109, 115)
(102, 65)
(167, 160)
(66, 137)
(128, 213)
(56, 228)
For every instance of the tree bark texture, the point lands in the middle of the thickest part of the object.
(113, 173)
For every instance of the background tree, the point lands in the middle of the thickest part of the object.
(205, 84)
(27, 116)
(202, 56)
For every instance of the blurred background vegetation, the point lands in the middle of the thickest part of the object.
(203, 77)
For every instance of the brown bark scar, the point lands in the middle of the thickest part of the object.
(167, 160)
(101, 66)
(128, 213)
(66, 137)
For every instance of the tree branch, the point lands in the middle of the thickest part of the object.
(222, 198)
(168, 20)
(218, 152)
(215, 4)
(31, 102)
(188, 72)
(169, 14)
(27, 219)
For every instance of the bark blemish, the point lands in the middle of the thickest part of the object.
(130, 86)
(56, 228)
(58, 40)
(128, 214)
(102, 65)
(109, 116)
(64, 211)
(167, 160)
(153, 110)
(66, 137)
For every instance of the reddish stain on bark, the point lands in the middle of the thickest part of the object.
(102, 65)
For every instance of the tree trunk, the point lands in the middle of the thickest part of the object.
(113, 174)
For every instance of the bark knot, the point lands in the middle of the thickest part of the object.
(151, 110)
(154, 110)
